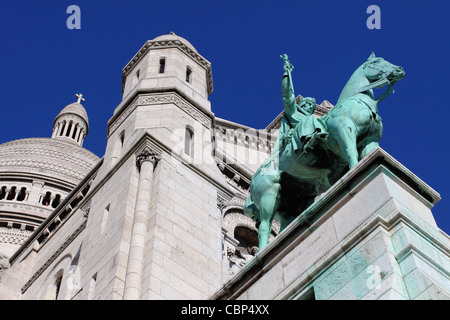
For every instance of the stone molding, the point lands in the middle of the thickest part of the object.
(160, 98)
(243, 136)
(235, 178)
(13, 235)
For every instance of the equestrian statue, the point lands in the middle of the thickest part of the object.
(312, 153)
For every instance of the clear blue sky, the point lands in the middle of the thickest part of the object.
(43, 64)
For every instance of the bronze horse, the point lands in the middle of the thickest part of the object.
(290, 179)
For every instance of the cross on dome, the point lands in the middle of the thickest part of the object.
(80, 97)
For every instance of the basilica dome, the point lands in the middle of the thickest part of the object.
(36, 174)
(58, 159)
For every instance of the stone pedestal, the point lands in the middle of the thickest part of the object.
(371, 236)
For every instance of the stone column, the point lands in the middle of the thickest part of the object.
(55, 130)
(146, 161)
(80, 137)
(77, 134)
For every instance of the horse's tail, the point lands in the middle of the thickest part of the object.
(250, 208)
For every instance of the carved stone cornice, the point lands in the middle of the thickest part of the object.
(160, 98)
(234, 177)
(13, 235)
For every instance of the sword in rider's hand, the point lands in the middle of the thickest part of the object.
(288, 67)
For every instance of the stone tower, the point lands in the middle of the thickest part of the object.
(145, 222)
(159, 163)
(159, 143)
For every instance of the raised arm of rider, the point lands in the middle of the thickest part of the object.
(288, 94)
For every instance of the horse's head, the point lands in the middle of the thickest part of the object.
(376, 68)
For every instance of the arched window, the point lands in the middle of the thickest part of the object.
(162, 65)
(188, 74)
(63, 127)
(189, 142)
(58, 285)
(75, 130)
(2, 193)
(56, 201)
(22, 194)
(122, 138)
(54, 287)
(46, 199)
(11, 194)
(69, 128)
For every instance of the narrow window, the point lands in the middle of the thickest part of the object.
(12, 194)
(122, 138)
(3, 193)
(63, 127)
(188, 74)
(58, 286)
(56, 201)
(22, 194)
(188, 142)
(136, 77)
(46, 199)
(75, 131)
(68, 129)
(162, 65)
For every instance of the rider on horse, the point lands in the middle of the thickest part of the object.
(298, 120)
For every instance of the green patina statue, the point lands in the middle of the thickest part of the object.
(313, 153)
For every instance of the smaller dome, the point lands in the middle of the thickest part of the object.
(77, 109)
(173, 37)
(72, 123)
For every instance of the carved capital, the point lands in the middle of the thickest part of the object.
(222, 203)
(147, 155)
